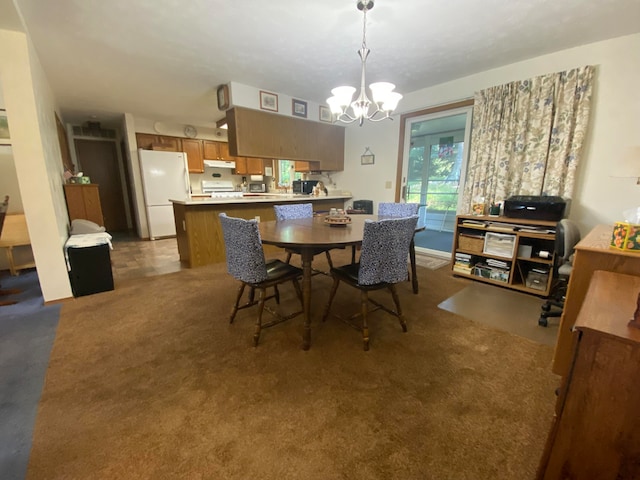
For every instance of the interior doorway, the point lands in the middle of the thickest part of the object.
(433, 168)
(98, 159)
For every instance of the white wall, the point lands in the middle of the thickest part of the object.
(30, 108)
(615, 123)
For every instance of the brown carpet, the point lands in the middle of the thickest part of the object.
(150, 381)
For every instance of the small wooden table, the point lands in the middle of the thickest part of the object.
(15, 234)
(309, 234)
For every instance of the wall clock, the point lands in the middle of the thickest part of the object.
(190, 131)
(223, 97)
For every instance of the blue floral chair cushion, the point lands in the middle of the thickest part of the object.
(294, 210)
(397, 209)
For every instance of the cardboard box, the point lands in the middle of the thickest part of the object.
(626, 237)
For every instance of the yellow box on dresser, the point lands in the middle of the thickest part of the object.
(626, 236)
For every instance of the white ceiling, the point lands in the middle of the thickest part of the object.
(163, 59)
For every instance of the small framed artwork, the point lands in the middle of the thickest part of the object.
(367, 158)
(268, 101)
(325, 114)
(299, 108)
(4, 125)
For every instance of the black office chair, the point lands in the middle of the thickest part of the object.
(567, 236)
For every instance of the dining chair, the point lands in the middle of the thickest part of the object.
(383, 263)
(246, 262)
(390, 209)
(291, 212)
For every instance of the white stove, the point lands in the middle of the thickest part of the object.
(220, 189)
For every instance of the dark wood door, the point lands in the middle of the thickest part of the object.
(98, 159)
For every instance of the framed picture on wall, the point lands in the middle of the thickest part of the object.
(299, 108)
(325, 114)
(4, 125)
(268, 101)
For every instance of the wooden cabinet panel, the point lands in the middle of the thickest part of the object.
(83, 201)
(216, 150)
(255, 166)
(195, 159)
(592, 253)
(149, 141)
(241, 166)
(146, 140)
(596, 432)
(254, 133)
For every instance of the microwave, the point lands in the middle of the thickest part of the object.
(257, 188)
(304, 186)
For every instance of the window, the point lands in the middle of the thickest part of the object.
(286, 173)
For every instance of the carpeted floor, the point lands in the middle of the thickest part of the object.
(150, 381)
(27, 330)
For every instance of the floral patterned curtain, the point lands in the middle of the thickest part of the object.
(527, 137)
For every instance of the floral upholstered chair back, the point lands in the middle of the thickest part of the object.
(385, 248)
(296, 210)
(397, 209)
(243, 248)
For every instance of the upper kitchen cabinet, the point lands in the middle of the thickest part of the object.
(216, 150)
(254, 133)
(193, 148)
(148, 141)
(250, 166)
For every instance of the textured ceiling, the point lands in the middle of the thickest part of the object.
(163, 59)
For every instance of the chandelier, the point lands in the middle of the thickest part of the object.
(385, 100)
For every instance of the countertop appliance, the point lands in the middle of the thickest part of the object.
(304, 186)
(220, 189)
(257, 187)
(535, 207)
(165, 175)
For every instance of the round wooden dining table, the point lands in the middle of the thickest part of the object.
(311, 234)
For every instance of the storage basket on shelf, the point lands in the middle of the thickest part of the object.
(470, 243)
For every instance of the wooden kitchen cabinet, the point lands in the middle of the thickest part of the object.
(254, 133)
(83, 201)
(216, 150)
(195, 155)
(596, 430)
(249, 166)
(148, 141)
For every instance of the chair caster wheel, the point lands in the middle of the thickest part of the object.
(543, 322)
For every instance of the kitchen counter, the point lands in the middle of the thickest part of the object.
(198, 230)
(249, 198)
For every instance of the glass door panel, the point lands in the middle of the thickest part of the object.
(436, 153)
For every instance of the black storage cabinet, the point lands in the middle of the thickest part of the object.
(90, 269)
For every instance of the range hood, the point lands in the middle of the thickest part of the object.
(220, 163)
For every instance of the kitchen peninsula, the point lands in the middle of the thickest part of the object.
(198, 231)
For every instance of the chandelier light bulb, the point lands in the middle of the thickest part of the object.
(385, 100)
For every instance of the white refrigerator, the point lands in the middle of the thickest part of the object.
(165, 175)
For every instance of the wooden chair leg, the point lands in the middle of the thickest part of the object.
(276, 293)
(334, 289)
(396, 301)
(364, 308)
(256, 335)
(296, 286)
(329, 259)
(288, 258)
(234, 310)
(353, 254)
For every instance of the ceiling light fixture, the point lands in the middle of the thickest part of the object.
(385, 100)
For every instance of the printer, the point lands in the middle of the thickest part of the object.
(535, 207)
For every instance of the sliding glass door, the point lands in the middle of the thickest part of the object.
(434, 164)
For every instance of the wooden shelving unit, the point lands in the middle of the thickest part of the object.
(485, 239)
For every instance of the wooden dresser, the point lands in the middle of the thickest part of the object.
(83, 201)
(596, 431)
(591, 253)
